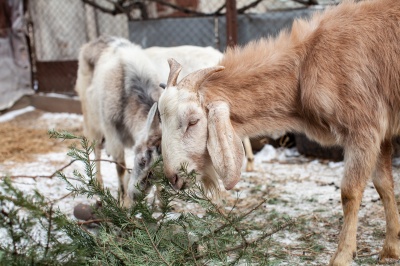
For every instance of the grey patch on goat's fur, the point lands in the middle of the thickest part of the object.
(136, 90)
(139, 86)
(118, 119)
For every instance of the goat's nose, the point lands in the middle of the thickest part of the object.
(175, 181)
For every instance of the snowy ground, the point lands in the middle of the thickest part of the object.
(295, 186)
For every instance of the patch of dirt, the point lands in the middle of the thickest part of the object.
(26, 136)
(30, 142)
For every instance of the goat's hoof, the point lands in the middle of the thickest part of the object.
(389, 254)
(342, 258)
(250, 167)
(126, 201)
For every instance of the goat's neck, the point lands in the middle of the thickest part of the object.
(263, 96)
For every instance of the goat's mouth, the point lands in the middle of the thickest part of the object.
(178, 183)
(181, 183)
(146, 183)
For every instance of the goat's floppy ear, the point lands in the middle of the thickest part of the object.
(152, 119)
(223, 145)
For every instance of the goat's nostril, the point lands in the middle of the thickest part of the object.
(176, 182)
(173, 179)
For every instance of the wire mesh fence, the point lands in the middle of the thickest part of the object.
(60, 27)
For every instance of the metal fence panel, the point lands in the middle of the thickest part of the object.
(210, 31)
(174, 32)
(255, 26)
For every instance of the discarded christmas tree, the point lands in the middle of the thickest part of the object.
(141, 235)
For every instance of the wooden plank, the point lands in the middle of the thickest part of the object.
(48, 104)
(56, 104)
(57, 76)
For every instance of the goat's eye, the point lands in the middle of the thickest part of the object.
(193, 122)
(148, 155)
(142, 162)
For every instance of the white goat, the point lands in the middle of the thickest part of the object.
(335, 77)
(117, 85)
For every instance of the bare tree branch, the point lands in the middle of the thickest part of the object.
(244, 8)
(120, 7)
(187, 10)
(126, 7)
(34, 177)
(306, 2)
(101, 8)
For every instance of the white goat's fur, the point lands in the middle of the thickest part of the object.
(192, 57)
(117, 84)
(335, 78)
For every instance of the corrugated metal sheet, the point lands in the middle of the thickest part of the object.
(15, 71)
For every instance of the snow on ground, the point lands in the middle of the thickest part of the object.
(295, 186)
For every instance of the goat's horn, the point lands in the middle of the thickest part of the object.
(174, 70)
(194, 80)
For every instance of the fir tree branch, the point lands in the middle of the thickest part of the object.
(11, 230)
(154, 246)
(245, 244)
(190, 247)
(254, 241)
(49, 230)
(92, 221)
(241, 217)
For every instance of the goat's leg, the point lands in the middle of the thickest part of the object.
(249, 154)
(120, 159)
(97, 156)
(116, 149)
(359, 165)
(383, 181)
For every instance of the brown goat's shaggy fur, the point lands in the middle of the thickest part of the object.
(336, 78)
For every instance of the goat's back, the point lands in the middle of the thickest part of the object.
(192, 58)
(350, 75)
(332, 76)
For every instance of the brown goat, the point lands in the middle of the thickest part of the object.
(335, 77)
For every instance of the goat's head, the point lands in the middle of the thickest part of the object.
(146, 150)
(197, 134)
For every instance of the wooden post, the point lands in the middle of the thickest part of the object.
(231, 23)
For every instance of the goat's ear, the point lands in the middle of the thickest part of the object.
(152, 119)
(224, 145)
